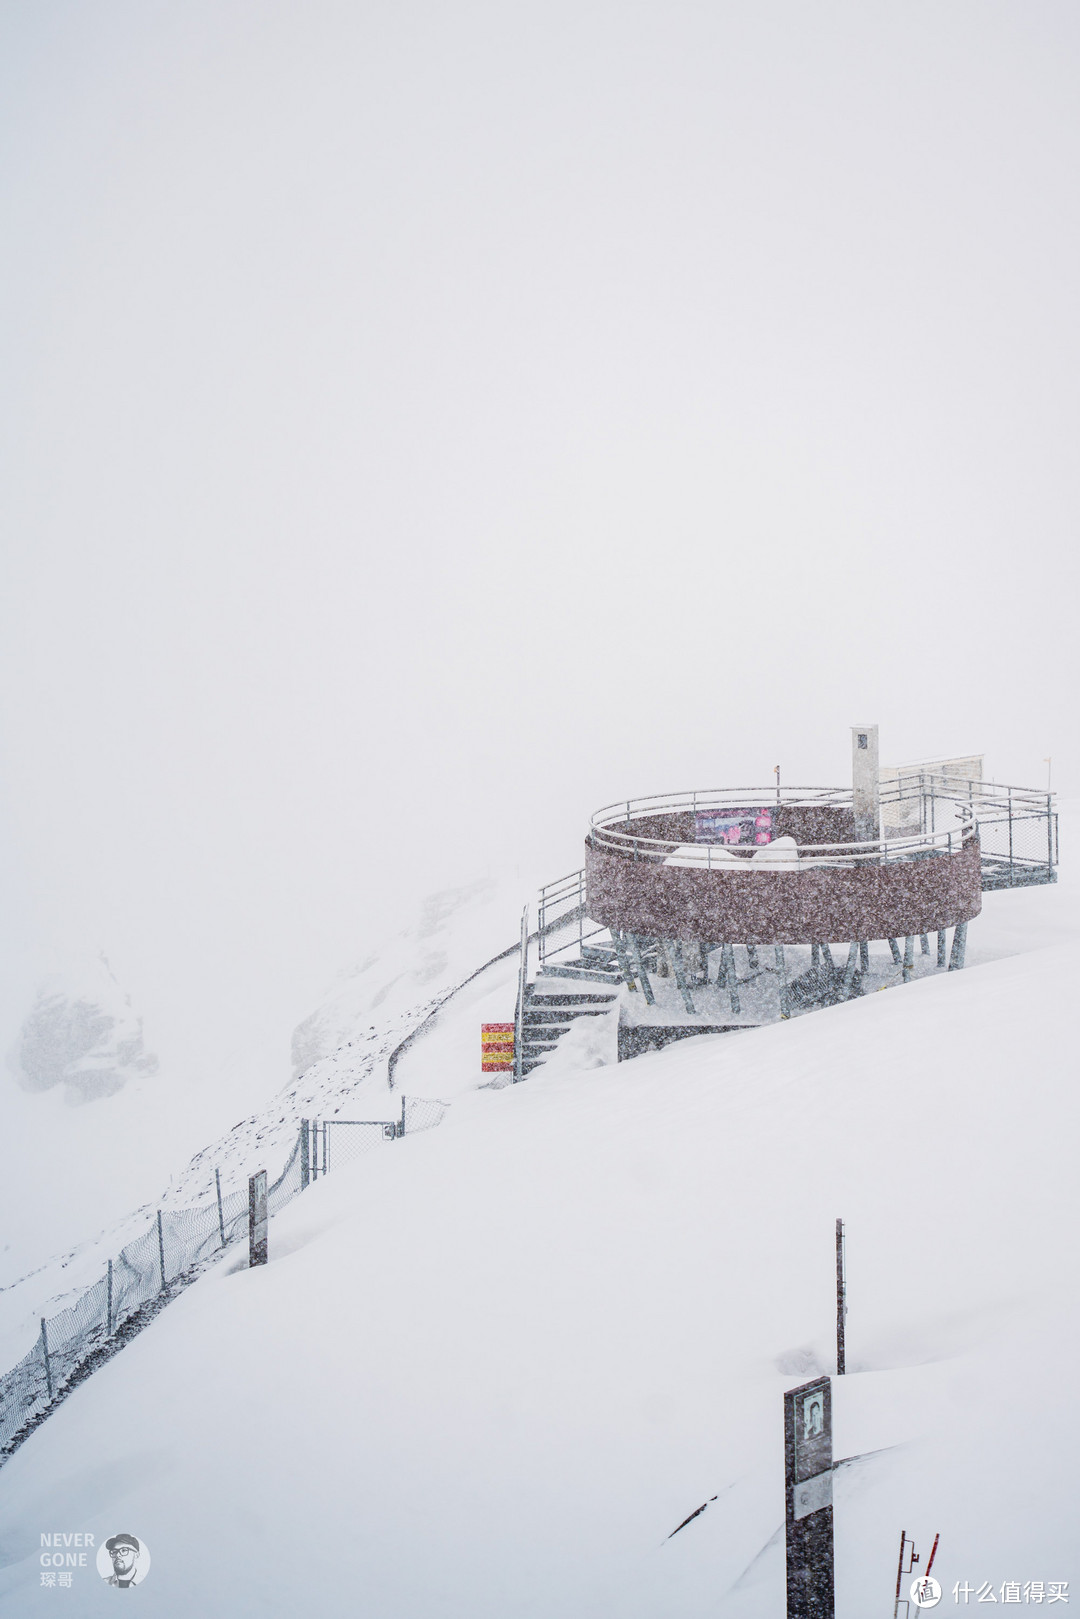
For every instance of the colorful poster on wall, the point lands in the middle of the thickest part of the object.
(733, 826)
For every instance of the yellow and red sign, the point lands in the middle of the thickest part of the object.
(496, 1047)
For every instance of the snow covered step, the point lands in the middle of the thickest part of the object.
(578, 969)
(547, 1017)
(538, 997)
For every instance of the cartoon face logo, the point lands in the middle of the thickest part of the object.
(123, 1561)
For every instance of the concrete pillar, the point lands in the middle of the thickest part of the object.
(865, 784)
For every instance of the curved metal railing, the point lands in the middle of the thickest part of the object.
(612, 829)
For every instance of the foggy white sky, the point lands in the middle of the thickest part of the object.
(424, 423)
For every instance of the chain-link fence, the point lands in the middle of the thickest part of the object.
(152, 1268)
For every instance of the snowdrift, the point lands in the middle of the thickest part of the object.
(489, 1371)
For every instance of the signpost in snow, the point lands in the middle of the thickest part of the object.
(809, 1514)
(258, 1222)
(497, 1048)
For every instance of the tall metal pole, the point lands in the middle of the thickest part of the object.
(841, 1298)
(161, 1249)
(519, 1011)
(45, 1352)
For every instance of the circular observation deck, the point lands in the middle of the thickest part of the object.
(749, 865)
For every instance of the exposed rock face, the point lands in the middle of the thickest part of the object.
(86, 1039)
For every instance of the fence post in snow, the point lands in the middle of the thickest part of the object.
(305, 1155)
(258, 1224)
(841, 1298)
(45, 1353)
(401, 1130)
(220, 1211)
(161, 1250)
(108, 1299)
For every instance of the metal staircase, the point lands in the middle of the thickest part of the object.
(545, 1018)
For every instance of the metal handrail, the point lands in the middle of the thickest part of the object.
(964, 788)
(613, 831)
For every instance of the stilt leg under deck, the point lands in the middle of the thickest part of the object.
(827, 961)
(849, 970)
(909, 957)
(732, 978)
(721, 970)
(941, 948)
(959, 943)
(676, 957)
(622, 955)
(895, 948)
(864, 955)
(781, 979)
(924, 944)
(815, 957)
(751, 956)
(639, 966)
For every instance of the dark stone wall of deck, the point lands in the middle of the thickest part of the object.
(821, 903)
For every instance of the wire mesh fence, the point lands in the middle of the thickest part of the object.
(153, 1267)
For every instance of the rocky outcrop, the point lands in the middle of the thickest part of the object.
(83, 1036)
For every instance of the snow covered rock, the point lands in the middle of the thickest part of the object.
(81, 1033)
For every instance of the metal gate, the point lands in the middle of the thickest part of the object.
(327, 1144)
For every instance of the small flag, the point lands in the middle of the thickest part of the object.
(496, 1047)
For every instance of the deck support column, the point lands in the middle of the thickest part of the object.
(732, 978)
(959, 944)
(941, 947)
(675, 956)
(782, 983)
(849, 970)
(909, 957)
(639, 967)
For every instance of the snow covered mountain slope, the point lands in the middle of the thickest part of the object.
(92, 1176)
(488, 1371)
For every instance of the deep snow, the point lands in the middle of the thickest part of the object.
(489, 1370)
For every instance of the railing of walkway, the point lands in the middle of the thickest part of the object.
(613, 827)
